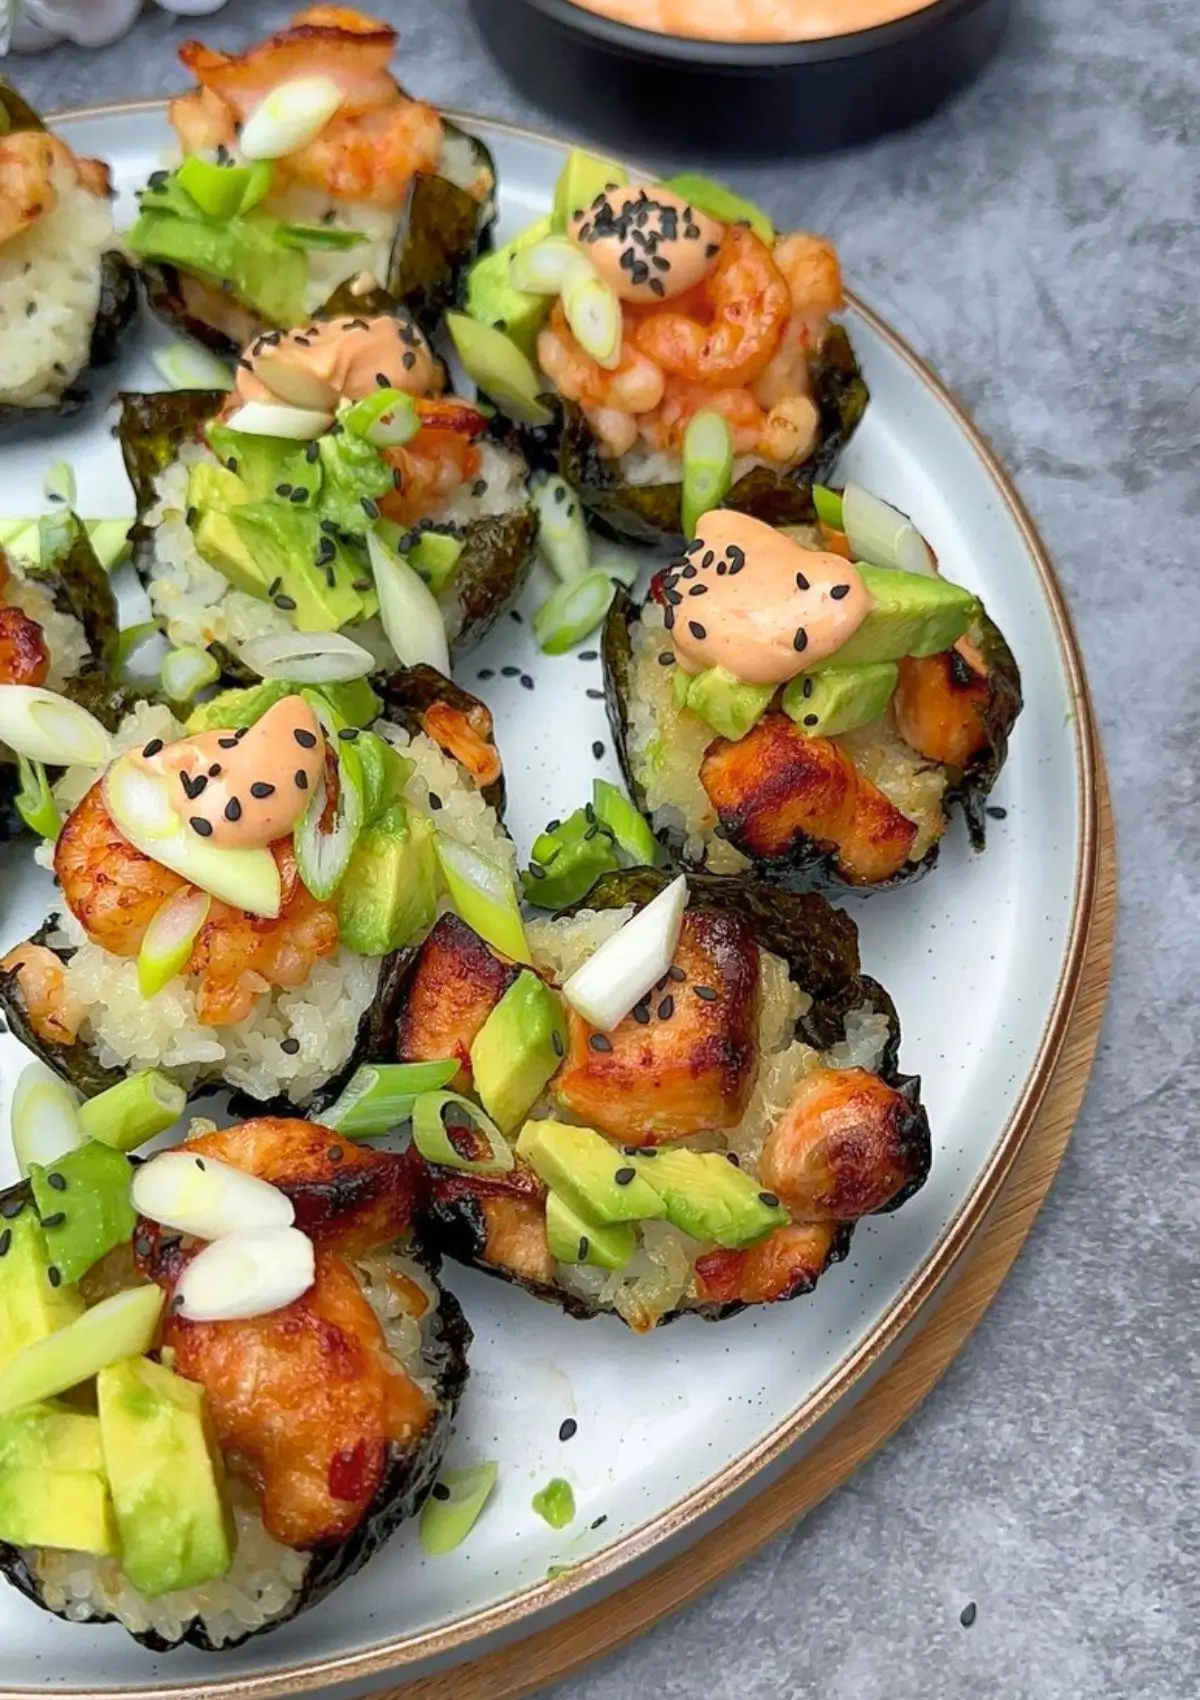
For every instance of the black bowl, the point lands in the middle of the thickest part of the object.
(633, 87)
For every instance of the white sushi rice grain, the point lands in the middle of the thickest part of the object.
(49, 293)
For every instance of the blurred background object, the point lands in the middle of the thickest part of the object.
(30, 26)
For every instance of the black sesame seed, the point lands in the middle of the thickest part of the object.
(996, 812)
(441, 1491)
(5, 1242)
(191, 516)
(736, 558)
(370, 507)
(408, 360)
(769, 1199)
(589, 655)
(598, 1521)
(707, 993)
(709, 557)
(802, 583)
(335, 1153)
(732, 1157)
(214, 771)
(509, 672)
(301, 779)
(600, 1042)
(698, 590)
(54, 1275)
(240, 733)
(838, 591)
(806, 690)
(201, 827)
(227, 743)
(800, 641)
(57, 1182)
(382, 379)
(287, 603)
(598, 749)
(11, 1208)
(557, 1043)
(666, 659)
(54, 1221)
(689, 571)
(233, 809)
(583, 1248)
(596, 696)
(275, 585)
(143, 1245)
(666, 1008)
(201, 1165)
(674, 972)
(569, 1429)
(641, 1014)
(284, 490)
(435, 802)
(153, 747)
(624, 1176)
(291, 1046)
(261, 789)
(697, 630)
(812, 719)
(968, 1614)
(527, 681)
(312, 451)
(486, 673)
(348, 734)
(298, 497)
(307, 740)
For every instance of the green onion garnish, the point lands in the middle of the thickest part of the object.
(59, 483)
(385, 418)
(707, 466)
(186, 671)
(134, 1110)
(555, 1503)
(380, 1096)
(35, 802)
(484, 895)
(433, 1136)
(184, 367)
(562, 529)
(828, 504)
(452, 1509)
(168, 940)
(44, 1118)
(572, 611)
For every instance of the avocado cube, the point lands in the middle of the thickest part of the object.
(216, 487)
(707, 1197)
(50, 1436)
(243, 253)
(837, 699)
(435, 555)
(354, 474)
(569, 861)
(582, 178)
(575, 1238)
(594, 1177)
(730, 706)
(66, 1509)
(271, 468)
(493, 299)
(722, 203)
(281, 542)
(517, 1049)
(389, 894)
(167, 1477)
(353, 703)
(911, 614)
(31, 1305)
(222, 546)
(85, 1202)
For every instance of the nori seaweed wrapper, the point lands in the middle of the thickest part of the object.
(650, 513)
(810, 864)
(409, 1477)
(820, 946)
(116, 315)
(498, 549)
(441, 231)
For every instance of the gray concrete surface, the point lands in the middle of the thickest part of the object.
(1040, 242)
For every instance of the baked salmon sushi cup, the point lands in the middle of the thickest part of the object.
(68, 295)
(227, 1376)
(663, 328)
(233, 891)
(782, 708)
(383, 509)
(704, 1138)
(307, 175)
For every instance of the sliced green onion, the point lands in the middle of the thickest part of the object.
(707, 466)
(619, 564)
(35, 801)
(258, 184)
(385, 418)
(323, 857)
(290, 116)
(593, 310)
(307, 658)
(447, 1517)
(543, 268)
(168, 940)
(555, 1503)
(614, 810)
(318, 236)
(881, 535)
(185, 367)
(59, 483)
(562, 529)
(828, 504)
(499, 368)
(408, 609)
(434, 1137)
(572, 611)
(129, 642)
(484, 895)
(123, 1326)
(216, 189)
(630, 962)
(46, 727)
(134, 1110)
(44, 1117)
(186, 671)
(21, 537)
(274, 419)
(380, 1096)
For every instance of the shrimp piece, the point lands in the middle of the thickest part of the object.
(112, 890)
(54, 1012)
(810, 267)
(682, 401)
(616, 432)
(436, 462)
(27, 188)
(328, 41)
(747, 302)
(202, 121)
(24, 658)
(634, 385)
(465, 734)
(370, 158)
(790, 433)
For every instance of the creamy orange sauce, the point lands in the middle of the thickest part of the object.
(336, 360)
(243, 790)
(755, 20)
(647, 244)
(751, 600)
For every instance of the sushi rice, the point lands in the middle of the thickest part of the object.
(64, 636)
(659, 1276)
(128, 1031)
(49, 294)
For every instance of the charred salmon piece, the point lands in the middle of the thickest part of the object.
(774, 788)
(344, 1194)
(456, 983)
(516, 1236)
(24, 658)
(940, 705)
(684, 1061)
(311, 1398)
(847, 1144)
(325, 41)
(790, 1260)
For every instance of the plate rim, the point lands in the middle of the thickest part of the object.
(390, 1657)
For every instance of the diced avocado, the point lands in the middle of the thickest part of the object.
(722, 203)
(355, 473)
(244, 253)
(593, 1177)
(574, 1238)
(67, 1509)
(582, 178)
(837, 699)
(504, 372)
(385, 772)
(912, 614)
(389, 894)
(565, 863)
(85, 1204)
(270, 467)
(216, 487)
(495, 301)
(354, 702)
(119, 1327)
(32, 1305)
(282, 543)
(167, 1477)
(555, 1503)
(730, 706)
(51, 1437)
(681, 680)
(707, 1197)
(517, 1049)
(435, 555)
(223, 547)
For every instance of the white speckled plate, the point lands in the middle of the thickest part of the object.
(981, 959)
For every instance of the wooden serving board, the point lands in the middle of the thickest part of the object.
(564, 1646)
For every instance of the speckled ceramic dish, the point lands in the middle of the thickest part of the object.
(982, 961)
(634, 87)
